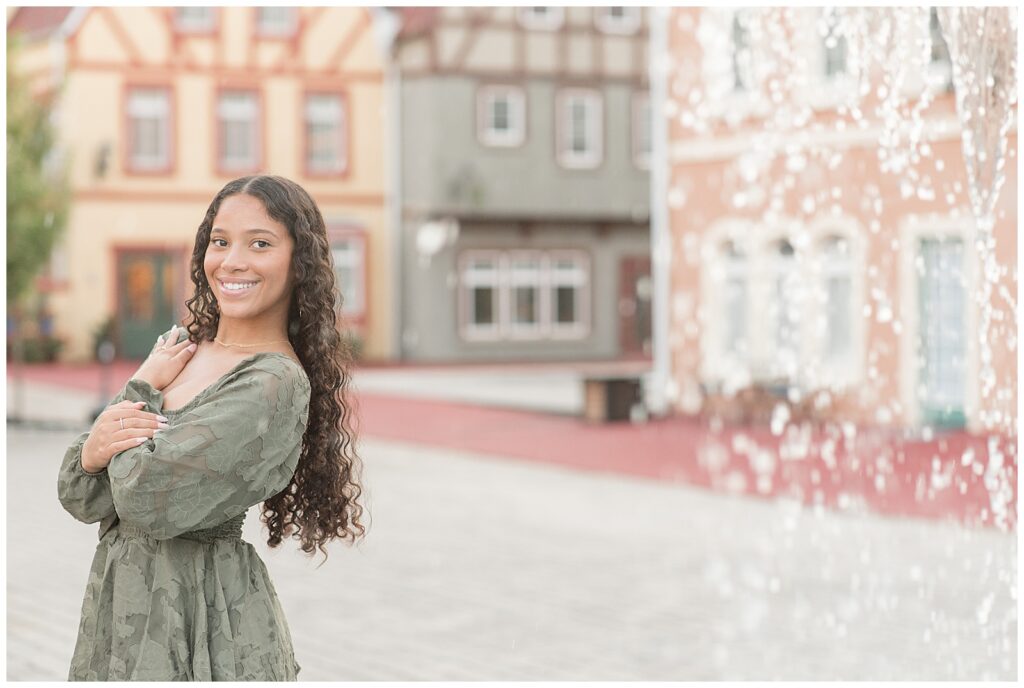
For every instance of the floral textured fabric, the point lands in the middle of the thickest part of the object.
(173, 592)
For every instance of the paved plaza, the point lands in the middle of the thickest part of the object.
(483, 568)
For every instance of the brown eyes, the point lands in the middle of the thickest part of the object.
(258, 241)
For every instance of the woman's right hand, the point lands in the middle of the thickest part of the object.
(107, 438)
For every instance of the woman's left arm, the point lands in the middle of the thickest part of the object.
(84, 495)
(236, 448)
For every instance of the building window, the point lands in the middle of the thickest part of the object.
(734, 334)
(524, 293)
(501, 114)
(834, 45)
(194, 19)
(515, 295)
(837, 276)
(621, 20)
(942, 338)
(568, 281)
(740, 49)
(326, 134)
(238, 130)
(783, 311)
(541, 18)
(349, 273)
(275, 21)
(480, 280)
(149, 129)
(940, 67)
(580, 128)
(642, 130)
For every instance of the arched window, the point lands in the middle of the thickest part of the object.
(837, 292)
(734, 332)
(784, 310)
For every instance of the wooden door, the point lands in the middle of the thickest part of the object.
(146, 288)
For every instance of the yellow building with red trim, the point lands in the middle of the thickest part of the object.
(159, 107)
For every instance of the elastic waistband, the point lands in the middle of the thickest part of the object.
(231, 530)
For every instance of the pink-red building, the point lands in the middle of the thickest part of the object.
(816, 273)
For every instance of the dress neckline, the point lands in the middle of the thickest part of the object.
(191, 402)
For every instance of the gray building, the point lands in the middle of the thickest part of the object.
(522, 150)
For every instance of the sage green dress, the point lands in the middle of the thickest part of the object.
(174, 593)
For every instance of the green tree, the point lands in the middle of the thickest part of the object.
(37, 190)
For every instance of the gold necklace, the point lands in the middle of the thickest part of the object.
(249, 346)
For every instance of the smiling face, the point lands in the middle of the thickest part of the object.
(248, 261)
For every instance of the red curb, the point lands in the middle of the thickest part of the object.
(872, 470)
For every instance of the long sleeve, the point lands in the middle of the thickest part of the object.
(87, 496)
(239, 446)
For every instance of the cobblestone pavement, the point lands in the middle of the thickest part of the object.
(482, 568)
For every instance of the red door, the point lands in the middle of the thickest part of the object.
(635, 306)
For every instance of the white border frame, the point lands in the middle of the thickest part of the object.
(592, 158)
(626, 25)
(581, 328)
(519, 331)
(517, 110)
(717, 366)
(849, 373)
(552, 22)
(470, 331)
(716, 68)
(504, 330)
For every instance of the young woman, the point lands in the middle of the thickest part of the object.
(249, 407)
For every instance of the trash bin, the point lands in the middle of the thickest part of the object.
(608, 399)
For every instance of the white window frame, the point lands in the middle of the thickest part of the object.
(550, 20)
(913, 228)
(530, 278)
(233, 112)
(194, 24)
(824, 91)
(578, 277)
(940, 73)
(776, 268)
(161, 112)
(285, 27)
(714, 35)
(339, 120)
(722, 368)
(354, 257)
(594, 101)
(516, 134)
(503, 279)
(626, 24)
(849, 372)
(934, 79)
(468, 279)
(641, 120)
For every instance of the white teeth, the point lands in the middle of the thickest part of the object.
(237, 287)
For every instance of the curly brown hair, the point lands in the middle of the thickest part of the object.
(320, 503)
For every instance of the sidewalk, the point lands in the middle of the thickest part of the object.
(475, 567)
(956, 476)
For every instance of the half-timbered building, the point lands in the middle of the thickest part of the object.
(159, 107)
(523, 147)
